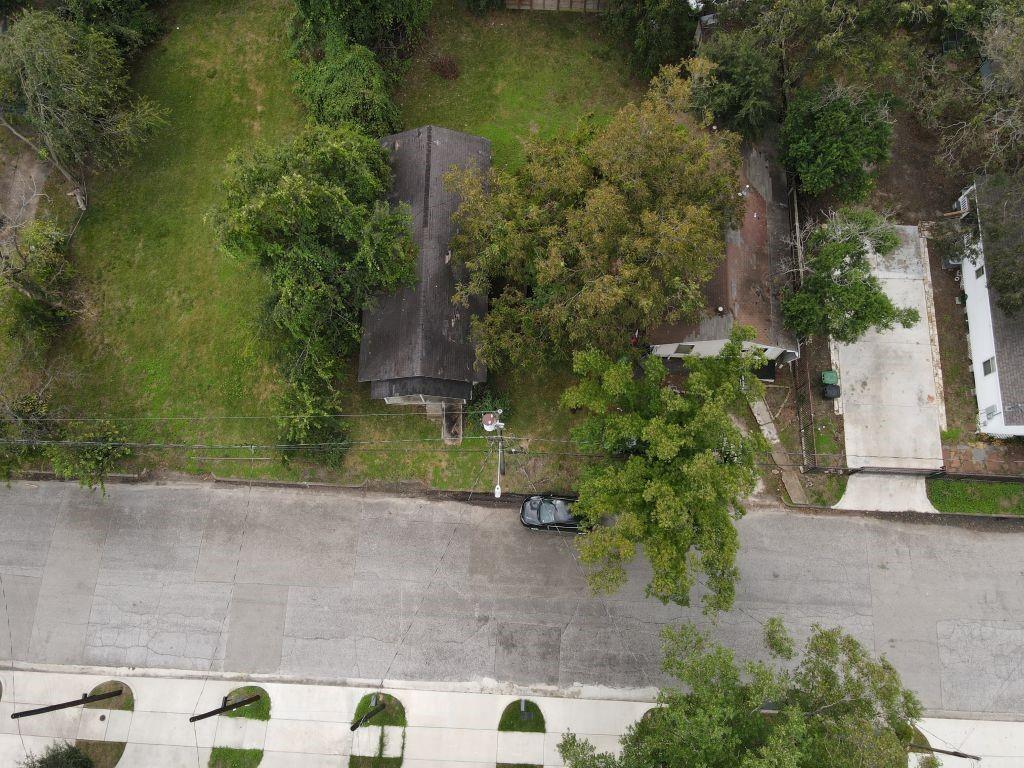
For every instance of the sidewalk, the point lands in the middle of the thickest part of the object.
(308, 727)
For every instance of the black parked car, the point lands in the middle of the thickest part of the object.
(550, 513)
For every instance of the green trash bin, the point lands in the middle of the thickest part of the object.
(829, 377)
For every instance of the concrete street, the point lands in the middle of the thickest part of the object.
(336, 586)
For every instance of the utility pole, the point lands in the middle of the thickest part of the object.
(492, 423)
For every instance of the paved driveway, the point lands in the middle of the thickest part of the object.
(892, 402)
(338, 586)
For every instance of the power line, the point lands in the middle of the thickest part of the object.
(225, 417)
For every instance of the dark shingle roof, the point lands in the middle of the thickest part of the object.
(417, 332)
(1001, 221)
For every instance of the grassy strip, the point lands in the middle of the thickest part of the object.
(125, 702)
(258, 711)
(974, 497)
(228, 757)
(393, 714)
(512, 719)
(364, 761)
(104, 754)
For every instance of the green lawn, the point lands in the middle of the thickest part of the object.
(393, 714)
(257, 711)
(512, 718)
(976, 498)
(521, 73)
(171, 325)
(227, 757)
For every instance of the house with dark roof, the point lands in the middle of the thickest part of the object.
(994, 222)
(415, 347)
(745, 289)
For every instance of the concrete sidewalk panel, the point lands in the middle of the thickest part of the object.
(313, 702)
(602, 743)
(293, 760)
(603, 717)
(520, 748)
(119, 725)
(162, 728)
(92, 725)
(163, 756)
(307, 737)
(451, 744)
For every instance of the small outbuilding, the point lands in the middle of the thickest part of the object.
(416, 347)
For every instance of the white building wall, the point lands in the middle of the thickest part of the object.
(983, 347)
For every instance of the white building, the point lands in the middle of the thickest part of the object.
(996, 338)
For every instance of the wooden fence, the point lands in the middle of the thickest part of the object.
(582, 6)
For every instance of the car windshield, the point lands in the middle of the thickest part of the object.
(555, 511)
(547, 512)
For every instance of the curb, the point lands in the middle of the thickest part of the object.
(485, 685)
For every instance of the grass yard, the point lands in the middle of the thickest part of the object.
(170, 339)
(227, 757)
(170, 326)
(973, 497)
(521, 74)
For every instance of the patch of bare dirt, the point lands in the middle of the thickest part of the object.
(913, 185)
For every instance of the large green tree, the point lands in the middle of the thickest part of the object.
(839, 296)
(64, 90)
(311, 214)
(742, 90)
(832, 138)
(677, 469)
(657, 32)
(838, 707)
(598, 233)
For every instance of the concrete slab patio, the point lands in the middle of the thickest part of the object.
(892, 402)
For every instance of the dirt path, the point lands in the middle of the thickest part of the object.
(22, 177)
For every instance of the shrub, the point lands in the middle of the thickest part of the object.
(388, 27)
(93, 450)
(307, 418)
(131, 24)
(58, 756)
(830, 138)
(347, 84)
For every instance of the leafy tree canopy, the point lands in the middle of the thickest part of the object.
(347, 84)
(741, 90)
(311, 214)
(677, 470)
(597, 233)
(831, 138)
(70, 85)
(840, 297)
(131, 24)
(658, 32)
(387, 27)
(839, 707)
